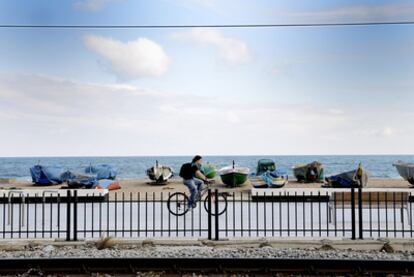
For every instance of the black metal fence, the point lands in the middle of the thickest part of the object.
(348, 213)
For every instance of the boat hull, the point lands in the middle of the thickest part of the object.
(234, 179)
(406, 171)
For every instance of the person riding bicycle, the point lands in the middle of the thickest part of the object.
(193, 179)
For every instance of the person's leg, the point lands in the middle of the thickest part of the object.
(193, 191)
(199, 184)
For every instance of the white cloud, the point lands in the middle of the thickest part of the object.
(231, 50)
(373, 12)
(46, 115)
(131, 60)
(92, 5)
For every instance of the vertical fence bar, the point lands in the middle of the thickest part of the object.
(75, 215)
(319, 213)
(264, 214)
(139, 213)
(68, 215)
(123, 214)
(360, 220)
(58, 214)
(394, 214)
(241, 213)
(370, 213)
(93, 215)
(216, 208)
(153, 214)
(209, 214)
(353, 212)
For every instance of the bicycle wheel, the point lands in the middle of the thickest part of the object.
(222, 204)
(178, 204)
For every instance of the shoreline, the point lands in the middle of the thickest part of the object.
(175, 184)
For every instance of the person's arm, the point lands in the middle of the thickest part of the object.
(201, 176)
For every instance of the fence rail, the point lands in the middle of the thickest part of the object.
(350, 213)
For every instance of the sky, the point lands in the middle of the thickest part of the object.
(211, 91)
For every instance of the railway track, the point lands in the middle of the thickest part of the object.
(42, 266)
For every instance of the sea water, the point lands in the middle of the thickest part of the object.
(379, 166)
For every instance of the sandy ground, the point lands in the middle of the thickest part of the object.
(143, 185)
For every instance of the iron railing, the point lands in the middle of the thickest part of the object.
(348, 213)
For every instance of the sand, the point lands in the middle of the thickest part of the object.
(143, 185)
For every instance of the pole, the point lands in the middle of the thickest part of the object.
(216, 209)
(353, 212)
(68, 219)
(209, 213)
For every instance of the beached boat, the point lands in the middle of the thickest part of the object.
(349, 179)
(46, 175)
(264, 165)
(309, 173)
(233, 176)
(209, 170)
(160, 174)
(270, 179)
(406, 170)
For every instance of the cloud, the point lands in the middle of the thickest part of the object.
(46, 115)
(131, 60)
(373, 12)
(92, 5)
(231, 50)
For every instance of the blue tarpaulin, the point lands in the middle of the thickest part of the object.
(102, 171)
(46, 175)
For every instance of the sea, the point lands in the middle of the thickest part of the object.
(378, 166)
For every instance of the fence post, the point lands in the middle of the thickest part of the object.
(353, 212)
(68, 216)
(216, 209)
(209, 213)
(75, 215)
(360, 222)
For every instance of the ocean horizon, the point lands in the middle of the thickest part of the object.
(134, 167)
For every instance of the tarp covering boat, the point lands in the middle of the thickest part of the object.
(46, 175)
(308, 173)
(264, 165)
(102, 171)
(406, 170)
(353, 178)
(270, 179)
(209, 170)
(160, 174)
(82, 181)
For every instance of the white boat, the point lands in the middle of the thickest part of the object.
(234, 176)
(406, 170)
(160, 173)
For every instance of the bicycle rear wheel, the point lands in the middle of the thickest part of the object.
(222, 204)
(178, 204)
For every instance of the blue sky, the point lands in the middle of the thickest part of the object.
(336, 90)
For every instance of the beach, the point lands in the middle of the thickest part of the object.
(142, 186)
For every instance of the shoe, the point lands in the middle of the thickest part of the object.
(194, 205)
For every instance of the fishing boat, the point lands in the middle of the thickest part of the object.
(309, 173)
(233, 176)
(349, 179)
(160, 174)
(264, 165)
(270, 179)
(209, 170)
(406, 170)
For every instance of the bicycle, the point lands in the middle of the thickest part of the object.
(178, 202)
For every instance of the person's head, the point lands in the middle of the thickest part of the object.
(197, 160)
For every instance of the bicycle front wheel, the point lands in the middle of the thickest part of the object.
(178, 204)
(222, 204)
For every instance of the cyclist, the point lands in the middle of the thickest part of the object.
(193, 179)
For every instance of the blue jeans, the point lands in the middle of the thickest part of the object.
(194, 185)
